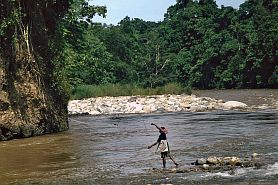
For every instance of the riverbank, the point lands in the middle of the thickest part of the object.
(207, 100)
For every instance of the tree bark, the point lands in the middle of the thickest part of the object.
(30, 103)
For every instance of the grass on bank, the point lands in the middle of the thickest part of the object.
(87, 91)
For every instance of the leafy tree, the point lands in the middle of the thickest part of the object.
(198, 44)
(259, 37)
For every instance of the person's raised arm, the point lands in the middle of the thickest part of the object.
(156, 126)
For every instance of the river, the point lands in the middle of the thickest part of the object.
(113, 150)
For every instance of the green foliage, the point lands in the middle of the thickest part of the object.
(9, 20)
(90, 64)
(86, 91)
(82, 11)
(79, 56)
(197, 45)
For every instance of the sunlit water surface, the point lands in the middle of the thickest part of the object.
(113, 150)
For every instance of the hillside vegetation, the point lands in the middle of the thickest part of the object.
(198, 45)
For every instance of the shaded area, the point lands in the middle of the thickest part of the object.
(31, 103)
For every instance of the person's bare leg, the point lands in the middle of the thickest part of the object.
(173, 160)
(164, 162)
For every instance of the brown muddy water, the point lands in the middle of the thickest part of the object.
(113, 150)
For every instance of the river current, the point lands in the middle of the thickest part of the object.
(113, 150)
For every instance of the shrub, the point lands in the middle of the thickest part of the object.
(87, 91)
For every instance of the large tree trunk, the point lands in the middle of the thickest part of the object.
(30, 103)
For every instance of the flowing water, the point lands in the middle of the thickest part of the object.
(113, 150)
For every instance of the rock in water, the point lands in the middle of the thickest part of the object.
(213, 160)
(229, 161)
(148, 104)
(233, 105)
(200, 161)
(218, 164)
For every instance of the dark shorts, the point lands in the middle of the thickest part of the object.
(165, 154)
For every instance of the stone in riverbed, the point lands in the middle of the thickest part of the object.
(213, 160)
(233, 104)
(233, 161)
(220, 164)
(149, 104)
(94, 112)
(229, 161)
(201, 161)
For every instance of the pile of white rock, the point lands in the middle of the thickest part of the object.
(254, 160)
(215, 164)
(149, 104)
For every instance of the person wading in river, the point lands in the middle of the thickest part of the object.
(163, 145)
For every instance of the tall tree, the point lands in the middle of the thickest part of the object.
(198, 44)
(258, 36)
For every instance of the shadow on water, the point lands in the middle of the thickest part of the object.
(113, 150)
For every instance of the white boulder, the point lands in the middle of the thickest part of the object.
(233, 105)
